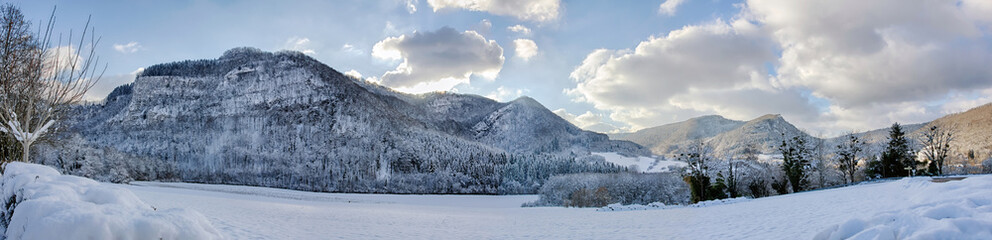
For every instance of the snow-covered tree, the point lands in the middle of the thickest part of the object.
(936, 142)
(796, 155)
(848, 154)
(41, 77)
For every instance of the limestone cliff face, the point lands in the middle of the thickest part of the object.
(285, 120)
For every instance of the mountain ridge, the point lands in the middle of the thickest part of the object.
(286, 120)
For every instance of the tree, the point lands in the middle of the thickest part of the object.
(897, 159)
(40, 76)
(696, 155)
(818, 159)
(795, 162)
(936, 144)
(848, 153)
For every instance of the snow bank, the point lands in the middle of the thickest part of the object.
(616, 207)
(40, 203)
(949, 210)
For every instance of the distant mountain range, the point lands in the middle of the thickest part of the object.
(285, 120)
(973, 134)
(724, 135)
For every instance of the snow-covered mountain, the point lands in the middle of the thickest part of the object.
(972, 133)
(972, 129)
(723, 135)
(286, 120)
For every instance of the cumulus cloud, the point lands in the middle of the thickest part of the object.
(484, 27)
(504, 94)
(130, 47)
(528, 10)
(890, 59)
(847, 50)
(822, 64)
(668, 7)
(640, 85)
(439, 60)
(588, 121)
(300, 44)
(525, 48)
(519, 29)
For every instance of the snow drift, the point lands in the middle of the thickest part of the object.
(40, 203)
(939, 210)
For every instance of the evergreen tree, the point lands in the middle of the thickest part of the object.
(897, 159)
(795, 162)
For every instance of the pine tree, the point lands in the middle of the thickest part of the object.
(897, 160)
(795, 162)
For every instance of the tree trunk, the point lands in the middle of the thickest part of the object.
(26, 149)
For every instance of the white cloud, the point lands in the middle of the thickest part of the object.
(130, 47)
(651, 83)
(504, 94)
(411, 6)
(528, 10)
(668, 7)
(588, 121)
(834, 64)
(525, 48)
(353, 73)
(352, 50)
(519, 29)
(890, 59)
(439, 60)
(484, 27)
(300, 44)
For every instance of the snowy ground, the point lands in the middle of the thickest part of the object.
(643, 164)
(885, 210)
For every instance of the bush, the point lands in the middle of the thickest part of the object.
(601, 189)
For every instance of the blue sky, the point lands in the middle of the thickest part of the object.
(604, 65)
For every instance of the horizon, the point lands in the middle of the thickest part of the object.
(603, 66)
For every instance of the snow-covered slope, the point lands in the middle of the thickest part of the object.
(643, 164)
(669, 138)
(285, 120)
(914, 208)
(40, 203)
(724, 136)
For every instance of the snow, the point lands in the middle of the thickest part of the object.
(938, 211)
(643, 164)
(616, 207)
(44, 204)
(912, 208)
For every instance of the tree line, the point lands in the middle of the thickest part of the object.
(808, 163)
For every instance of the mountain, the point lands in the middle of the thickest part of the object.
(723, 135)
(286, 120)
(668, 138)
(972, 132)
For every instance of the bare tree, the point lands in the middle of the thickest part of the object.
(41, 76)
(819, 147)
(936, 142)
(848, 153)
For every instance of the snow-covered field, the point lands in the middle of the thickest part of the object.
(643, 164)
(907, 208)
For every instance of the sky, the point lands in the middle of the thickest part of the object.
(829, 67)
